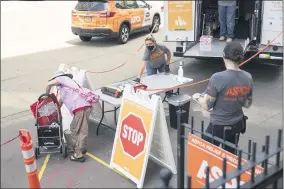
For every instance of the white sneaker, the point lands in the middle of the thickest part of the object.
(222, 38)
(229, 40)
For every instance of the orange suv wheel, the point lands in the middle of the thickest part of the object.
(124, 33)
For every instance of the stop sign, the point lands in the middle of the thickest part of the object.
(133, 135)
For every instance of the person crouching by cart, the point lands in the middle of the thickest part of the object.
(227, 92)
(80, 108)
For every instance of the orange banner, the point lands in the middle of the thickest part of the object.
(180, 15)
(202, 154)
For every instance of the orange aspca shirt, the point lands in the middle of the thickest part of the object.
(157, 57)
(231, 88)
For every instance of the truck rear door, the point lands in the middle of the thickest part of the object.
(182, 20)
(272, 22)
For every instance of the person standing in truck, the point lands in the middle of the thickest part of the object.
(227, 15)
(227, 92)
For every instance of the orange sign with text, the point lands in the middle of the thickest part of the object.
(180, 15)
(202, 154)
(131, 143)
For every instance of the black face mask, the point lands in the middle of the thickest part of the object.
(150, 48)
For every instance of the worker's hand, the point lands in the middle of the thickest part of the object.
(137, 80)
(196, 96)
(167, 69)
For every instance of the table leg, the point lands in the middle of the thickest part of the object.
(103, 115)
(115, 109)
(164, 98)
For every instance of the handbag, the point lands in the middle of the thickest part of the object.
(86, 94)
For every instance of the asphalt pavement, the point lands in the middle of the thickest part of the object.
(23, 79)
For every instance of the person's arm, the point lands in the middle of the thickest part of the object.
(50, 85)
(167, 52)
(169, 57)
(146, 57)
(141, 70)
(248, 100)
(208, 99)
(60, 102)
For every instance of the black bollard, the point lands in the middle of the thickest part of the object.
(165, 175)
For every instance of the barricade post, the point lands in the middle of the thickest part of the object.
(178, 101)
(29, 158)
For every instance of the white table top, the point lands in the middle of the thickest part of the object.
(160, 80)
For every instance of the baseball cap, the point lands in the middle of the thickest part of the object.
(234, 48)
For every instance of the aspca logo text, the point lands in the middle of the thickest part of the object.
(215, 173)
(157, 54)
(135, 19)
(238, 91)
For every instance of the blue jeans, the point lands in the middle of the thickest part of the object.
(153, 71)
(227, 20)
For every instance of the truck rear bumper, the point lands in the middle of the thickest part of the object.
(271, 55)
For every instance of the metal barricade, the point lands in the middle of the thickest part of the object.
(269, 177)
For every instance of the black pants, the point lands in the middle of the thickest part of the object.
(231, 132)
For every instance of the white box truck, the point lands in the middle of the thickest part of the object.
(258, 22)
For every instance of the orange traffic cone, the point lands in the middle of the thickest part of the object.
(29, 158)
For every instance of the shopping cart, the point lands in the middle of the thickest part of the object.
(49, 126)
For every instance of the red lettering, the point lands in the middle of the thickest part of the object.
(229, 92)
(238, 90)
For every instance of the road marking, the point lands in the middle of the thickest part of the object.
(104, 163)
(43, 167)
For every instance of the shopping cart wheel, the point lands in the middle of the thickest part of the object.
(64, 149)
(37, 152)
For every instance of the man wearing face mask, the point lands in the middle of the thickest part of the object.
(154, 58)
(227, 92)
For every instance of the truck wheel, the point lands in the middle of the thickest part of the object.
(123, 34)
(156, 21)
(85, 38)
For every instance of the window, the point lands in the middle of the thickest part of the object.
(120, 5)
(91, 5)
(131, 4)
(141, 4)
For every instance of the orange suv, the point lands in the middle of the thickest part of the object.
(114, 19)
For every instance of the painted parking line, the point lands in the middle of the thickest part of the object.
(43, 167)
(104, 163)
